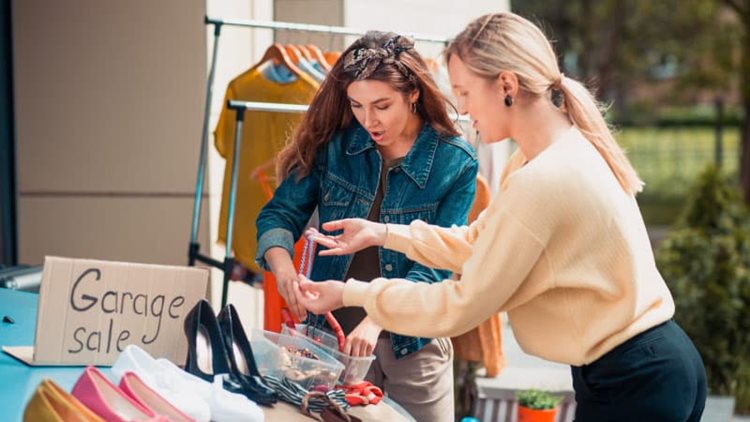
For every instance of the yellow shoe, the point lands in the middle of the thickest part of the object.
(50, 403)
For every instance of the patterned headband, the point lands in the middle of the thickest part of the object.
(363, 62)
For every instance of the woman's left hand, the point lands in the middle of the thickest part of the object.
(319, 297)
(361, 341)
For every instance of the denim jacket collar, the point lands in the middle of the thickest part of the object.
(417, 163)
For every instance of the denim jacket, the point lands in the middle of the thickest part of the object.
(435, 183)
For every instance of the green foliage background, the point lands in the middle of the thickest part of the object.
(706, 262)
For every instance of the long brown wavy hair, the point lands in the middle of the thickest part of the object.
(380, 56)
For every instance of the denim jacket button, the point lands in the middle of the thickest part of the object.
(403, 351)
(388, 267)
(397, 169)
(386, 219)
(327, 196)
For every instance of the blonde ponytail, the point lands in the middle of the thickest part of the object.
(583, 111)
(504, 41)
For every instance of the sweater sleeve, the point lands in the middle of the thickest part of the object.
(504, 252)
(433, 246)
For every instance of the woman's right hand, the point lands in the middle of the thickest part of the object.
(357, 234)
(283, 270)
(285, 285)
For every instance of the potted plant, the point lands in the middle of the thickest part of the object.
(537, 406)
(705, 260)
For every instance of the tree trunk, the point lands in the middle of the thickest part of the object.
(587, 57)
(745, 125)
(745, 151)
(609, 63)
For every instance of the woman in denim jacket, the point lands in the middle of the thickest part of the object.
(376, 143)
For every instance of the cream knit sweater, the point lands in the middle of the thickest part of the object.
(562, 248)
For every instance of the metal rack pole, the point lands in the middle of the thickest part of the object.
(194, 247)
(288, 26)
(240, 107)
(273, 107)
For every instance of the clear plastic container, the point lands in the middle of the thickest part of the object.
(296, 358)
(320, 336)
(355, 368)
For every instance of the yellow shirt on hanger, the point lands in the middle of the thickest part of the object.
(264, 134)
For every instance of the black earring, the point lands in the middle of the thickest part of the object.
(508, 100)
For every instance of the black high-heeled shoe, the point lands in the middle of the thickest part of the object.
(241, 358)
(207, 355)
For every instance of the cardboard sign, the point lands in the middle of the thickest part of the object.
(90, 310)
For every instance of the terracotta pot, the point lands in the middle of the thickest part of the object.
(533, 415)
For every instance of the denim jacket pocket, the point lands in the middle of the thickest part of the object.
(424, 212)
(335, 194)
(336, 200)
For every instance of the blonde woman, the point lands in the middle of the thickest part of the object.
(562, 248)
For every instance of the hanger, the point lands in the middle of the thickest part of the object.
(293, 53)
(277, 54)
(264, 167)
(298, 57)
(332, 57)
(317, 55)
(305, 52)
(260, 174)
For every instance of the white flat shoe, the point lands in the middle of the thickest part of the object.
(161, 379)
(225, 406)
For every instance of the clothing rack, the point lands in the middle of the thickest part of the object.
(302, 27)
(240, 107)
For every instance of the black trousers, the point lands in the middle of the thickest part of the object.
(657, 375)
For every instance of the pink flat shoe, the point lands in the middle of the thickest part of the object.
(134, 387)
(97, 393)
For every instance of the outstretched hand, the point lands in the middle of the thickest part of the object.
(319, 297)
(357, 234)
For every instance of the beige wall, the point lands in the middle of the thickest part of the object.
(109, 107)
(320, 12)
(108, 111)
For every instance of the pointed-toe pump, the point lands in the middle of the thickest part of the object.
(241, 359)
(207, 355)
